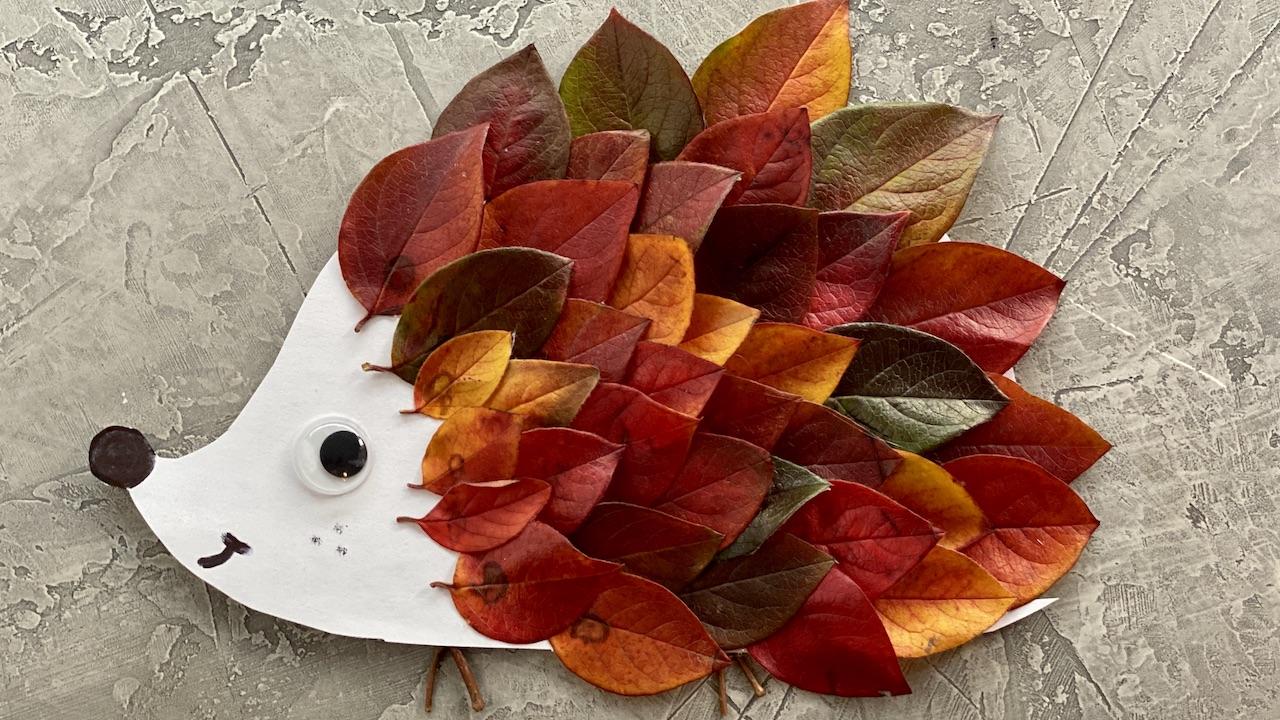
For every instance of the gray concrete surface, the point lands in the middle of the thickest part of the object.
(173, 174)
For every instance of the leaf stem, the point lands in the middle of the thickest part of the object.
(436, 658)
(724, 693)
(745, 666)
(464, 669)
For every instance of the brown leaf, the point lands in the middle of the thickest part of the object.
(834, 447)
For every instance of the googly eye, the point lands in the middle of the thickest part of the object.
(331, 455)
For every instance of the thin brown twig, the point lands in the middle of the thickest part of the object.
(464, 669)
(745, 666)
(436, 658)
(724, 693)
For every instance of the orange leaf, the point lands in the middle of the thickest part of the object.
(638, 639)
(462, 372)
(473, 445)
(945, 601)
(656, 282)
(1038, 525)
(544, 392)
(717, 327)
(793, 359)
(789, 58)
(482, 516)
(927, 490)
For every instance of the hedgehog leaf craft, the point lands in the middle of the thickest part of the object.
(660, 372)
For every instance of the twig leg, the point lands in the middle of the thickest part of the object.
(436, 658)
(745, 666)
(724, 693)
(468, 679)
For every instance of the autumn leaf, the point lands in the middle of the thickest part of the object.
(748, 410)
(793, 359)
(577, 465)
(792, 57)
(610, 155)
(544, 392)
(648, 543)
(681, 198)
(722, 484)
(835, 645)
(890, 157)
(593, 334)
(717, 327)
(673, 377)
(1032, 429)
(528, 130)
(654, 437)
(474, 517)
(855, 251)
(656, 282)
(623, 79)
(792, 487)
(528, 589)
(911, 388)
(1038, 526)
(638, 639)
(519, 290)
(473, 445)
(765, 256)
(416, 210)
(834, 447)
(943, 602)
(929, 491)
(770, 150)
(462, 373)
(746, 599)
(990, 303)
(874, 539)
(583, 220)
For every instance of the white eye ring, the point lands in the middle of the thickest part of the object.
(306, 455)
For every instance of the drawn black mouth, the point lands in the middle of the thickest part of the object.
(231, 545)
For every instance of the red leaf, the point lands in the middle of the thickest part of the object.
(478, 517)
(610, 155)
(528, 128)
(638, 639)
(577, 465)
(721, 485)
(765, 256)
(749, 411)
(855, 251)
(673, 377)
(1038, 525)
(1032, 429)
(648, 543)
(988, 302)
(770, 149)
(583, 220)
(833, 447)
(415, 211)
(594, 334)
(874, 540)
(655, 439)
(834, 645)
(681, 198)
(529, 589)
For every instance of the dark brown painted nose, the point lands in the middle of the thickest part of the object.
(121, 457)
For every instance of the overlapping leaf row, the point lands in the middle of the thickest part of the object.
(684, 370)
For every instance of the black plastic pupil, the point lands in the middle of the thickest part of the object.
(343, 454)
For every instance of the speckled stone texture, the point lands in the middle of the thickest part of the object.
(173, 176)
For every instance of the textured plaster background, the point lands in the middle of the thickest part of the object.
(173, 175)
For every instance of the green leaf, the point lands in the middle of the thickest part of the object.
(520, 290)
(793, 486)
(623, 79)
(913, 389)
(889, 157)
(747, 599)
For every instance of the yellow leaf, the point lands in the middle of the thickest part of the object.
(930, 492)
(793, 359)
(544, 392)
(656, 282)
(462, 372)
(717, 327)
(473, 445)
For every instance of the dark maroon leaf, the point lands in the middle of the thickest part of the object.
(648, 543)
(834, 447)
(748, 410)
(765, 256)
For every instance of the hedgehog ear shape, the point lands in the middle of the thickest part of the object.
(121, 457)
